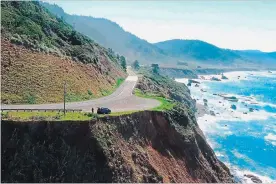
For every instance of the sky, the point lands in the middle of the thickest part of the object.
(239, 25)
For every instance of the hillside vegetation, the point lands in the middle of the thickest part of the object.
(153, 85)
(40, 51)
(111, 35)
(208, 54)
(197, 50)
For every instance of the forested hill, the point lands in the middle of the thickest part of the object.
(30, 24)
(111, 35)
(40, 51)
(203, 51)
(196, 49)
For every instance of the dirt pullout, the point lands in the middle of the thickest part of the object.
(141, 147)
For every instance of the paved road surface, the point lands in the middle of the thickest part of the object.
(121, 100)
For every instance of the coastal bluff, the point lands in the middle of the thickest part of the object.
(146, 146)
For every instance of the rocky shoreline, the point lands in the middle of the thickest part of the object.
(237, 106)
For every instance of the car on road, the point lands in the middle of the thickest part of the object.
(103, 110)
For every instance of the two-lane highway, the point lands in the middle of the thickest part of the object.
(121, 100)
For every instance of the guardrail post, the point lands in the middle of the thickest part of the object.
(64, 95)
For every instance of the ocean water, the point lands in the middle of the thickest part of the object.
(245, 141)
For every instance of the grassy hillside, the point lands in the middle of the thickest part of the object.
(151, 84)
(40, 51)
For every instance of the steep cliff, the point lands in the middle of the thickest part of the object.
(141, 147)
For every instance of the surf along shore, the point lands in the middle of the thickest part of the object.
(237, 113)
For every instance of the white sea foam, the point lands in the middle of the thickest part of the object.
(244, 74)
(219, 154)
(237, 76)
(271, 138)
(182, 80)
(222, 108)
(241, 175)
(223, 111)
(208, 124)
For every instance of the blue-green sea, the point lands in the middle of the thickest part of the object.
(243, 138)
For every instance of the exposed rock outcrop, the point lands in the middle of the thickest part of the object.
(215, 79)
(253, 178)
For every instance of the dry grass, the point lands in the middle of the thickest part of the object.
(32, 77)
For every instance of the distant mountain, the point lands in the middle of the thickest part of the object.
(258, 57)
(110, 34)
(197, 50)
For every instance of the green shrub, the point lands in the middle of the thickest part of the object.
(119, 82)
(89, 92)
(31, 98)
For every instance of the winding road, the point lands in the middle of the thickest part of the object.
(121, 100)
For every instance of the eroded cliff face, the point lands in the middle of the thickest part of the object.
(159, 147)
(141, 147)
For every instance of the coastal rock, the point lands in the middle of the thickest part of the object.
(253, 178)
(193, 81)
(223, 77)
(231, 98)
(215, 79)
(212, 113)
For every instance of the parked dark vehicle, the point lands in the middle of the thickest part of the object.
(102, 110)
